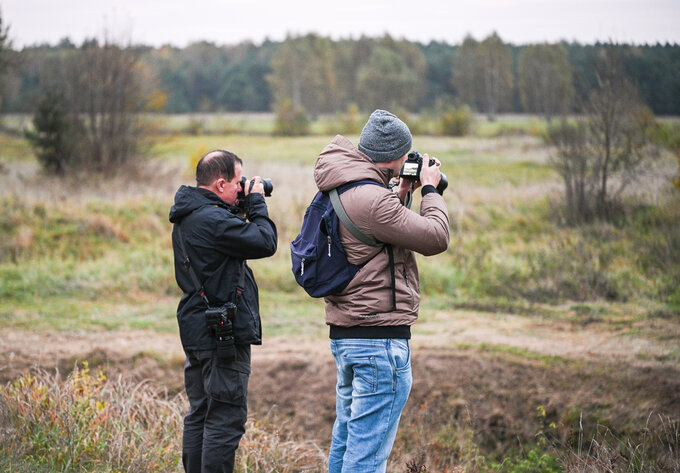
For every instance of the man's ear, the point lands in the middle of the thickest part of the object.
(219, 184)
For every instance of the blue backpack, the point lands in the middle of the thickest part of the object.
(320, 264)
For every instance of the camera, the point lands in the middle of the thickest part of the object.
(413, 165)
(266, 183)
(219, 320)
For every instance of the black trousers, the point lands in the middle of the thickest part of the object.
(217, 416)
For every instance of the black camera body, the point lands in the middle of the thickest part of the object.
(219, 320)
(413, 165)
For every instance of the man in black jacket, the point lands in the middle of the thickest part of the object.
(218, 240)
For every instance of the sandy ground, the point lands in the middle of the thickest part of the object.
(450, 330)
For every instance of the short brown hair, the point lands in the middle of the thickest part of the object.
(216, 164)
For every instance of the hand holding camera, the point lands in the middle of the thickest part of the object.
(257, 184)
(415, 170)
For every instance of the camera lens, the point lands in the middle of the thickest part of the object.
(268, 187)
(443, 184)
(266, 183)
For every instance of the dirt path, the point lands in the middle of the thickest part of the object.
(659, 345)
(635, 343)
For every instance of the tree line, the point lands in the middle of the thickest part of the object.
(320, 75)
(86, 99)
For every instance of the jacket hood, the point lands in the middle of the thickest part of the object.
(340, 162)
(188, 199)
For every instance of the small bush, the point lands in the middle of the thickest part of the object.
(349, 123)
(291, 121)
(536, 461)
(195, 126)
(195, 158)
(456, 121)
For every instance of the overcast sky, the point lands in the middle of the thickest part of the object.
(179, 22)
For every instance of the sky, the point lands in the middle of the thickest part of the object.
(181, 22)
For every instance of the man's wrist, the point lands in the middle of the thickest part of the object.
(428, 189)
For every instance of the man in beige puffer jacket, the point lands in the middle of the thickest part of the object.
(370, 321)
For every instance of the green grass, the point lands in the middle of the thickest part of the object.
(268, 149)
(513, 353)
(105, 262)
(14, 148)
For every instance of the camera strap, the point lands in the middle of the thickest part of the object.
(408, 199)
(197, 282)
(241, 282)
(187, 265)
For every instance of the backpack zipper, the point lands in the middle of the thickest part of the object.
(329, 246)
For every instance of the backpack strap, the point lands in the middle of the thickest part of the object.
(347, 222)
(361, 236)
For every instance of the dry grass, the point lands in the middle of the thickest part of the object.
(88, 422)
(658, 450)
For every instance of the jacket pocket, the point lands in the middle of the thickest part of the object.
(409, 288)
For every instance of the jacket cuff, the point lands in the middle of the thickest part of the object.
(254, 202)
(428, 189)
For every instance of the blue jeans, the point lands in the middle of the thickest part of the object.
(374, 381)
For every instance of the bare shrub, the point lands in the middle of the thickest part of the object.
(603, 153)
(90, 120)
(106, 89)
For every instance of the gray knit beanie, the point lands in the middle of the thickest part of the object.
(384, 137)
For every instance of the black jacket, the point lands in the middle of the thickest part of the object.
(218, 241)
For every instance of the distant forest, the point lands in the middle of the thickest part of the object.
(322, 75)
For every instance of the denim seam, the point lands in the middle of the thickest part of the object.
(408, 362)
(393, 365)
(384, 432)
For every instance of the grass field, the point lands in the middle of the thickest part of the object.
(533, 339)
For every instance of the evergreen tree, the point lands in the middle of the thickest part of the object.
(52, 135)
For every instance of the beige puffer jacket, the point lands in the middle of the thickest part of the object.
(377, 211)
